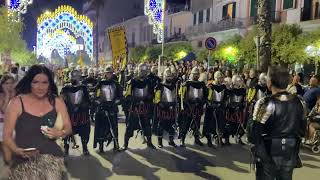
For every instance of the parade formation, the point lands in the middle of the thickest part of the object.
(191, 85)
(153, 104)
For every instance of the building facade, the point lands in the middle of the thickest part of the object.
(221, 19)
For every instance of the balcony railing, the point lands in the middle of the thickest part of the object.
(228, 23)
(219, 26)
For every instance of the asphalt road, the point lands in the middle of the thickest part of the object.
(193, 162)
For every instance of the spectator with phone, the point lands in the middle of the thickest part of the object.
(34, 114)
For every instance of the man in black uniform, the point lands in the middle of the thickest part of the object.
(193, 96)
(235, 115)
(257, 92)
(140, 93)
(91, 83)
(154, 81)
(166, 101)
(214, 122)
(276, 129)
(109, 94)
(76, 97)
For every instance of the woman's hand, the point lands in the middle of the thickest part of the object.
(53, 133)
(25, 154)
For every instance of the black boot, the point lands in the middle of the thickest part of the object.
(182, 142)
(149, 143)
(116, 145)
(126, 143)
(85, 147)
(197, 141)
(171, 142)
(101, 147)
(209, 139)
(66, 149)
(85, 150)
(227, 142)
(160, 145)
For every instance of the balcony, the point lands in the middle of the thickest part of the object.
(222, 25)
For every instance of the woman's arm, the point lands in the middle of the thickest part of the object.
(62, 109)
(11, 114)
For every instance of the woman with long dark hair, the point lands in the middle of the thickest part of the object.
(33, 114)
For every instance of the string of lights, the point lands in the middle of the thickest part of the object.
(154, 9)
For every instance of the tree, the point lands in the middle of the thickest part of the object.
(264, 29)
(138, 53)
(287, 47)
(172, 51)
(10, 38)
(248, 48)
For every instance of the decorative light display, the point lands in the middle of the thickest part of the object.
(19, 6)
(61, 41)
(50, 26)
(154, 9)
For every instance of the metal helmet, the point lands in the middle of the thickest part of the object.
(78, 67)
(263, 79)
(75, 75)
(142, 70)
(237, 80)
(91, 70)
(154, 69)
(218, 76)
(108, 69)
(167, 75)
(71, 65)
(195, 70)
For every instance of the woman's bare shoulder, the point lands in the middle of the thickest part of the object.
(15, 103)
(59, 102)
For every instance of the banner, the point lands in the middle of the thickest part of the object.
(119, 48)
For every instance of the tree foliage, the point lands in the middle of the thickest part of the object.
(11, 40)
(286, 44)
(142, 53)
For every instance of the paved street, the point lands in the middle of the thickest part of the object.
(193, 162)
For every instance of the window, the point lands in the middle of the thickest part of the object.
(195, 19)
(253, 8)
(208, 15)
(229, 11)
(200, 17)
(179, 31)
(288, 4)
(199, 44)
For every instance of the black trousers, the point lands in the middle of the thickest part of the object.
(213, 121)
(134, 124)
(268, 171)
(102, 130)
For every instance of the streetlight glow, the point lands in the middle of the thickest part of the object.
(181, 54)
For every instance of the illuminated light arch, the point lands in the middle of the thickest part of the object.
(61, 41)
(64, 18)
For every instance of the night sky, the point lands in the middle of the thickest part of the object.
(40, 6)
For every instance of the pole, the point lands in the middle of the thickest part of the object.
(258, 50)
(208, 64)
(163, 37)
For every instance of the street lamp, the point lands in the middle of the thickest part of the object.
(181, 55)
(230, 53)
